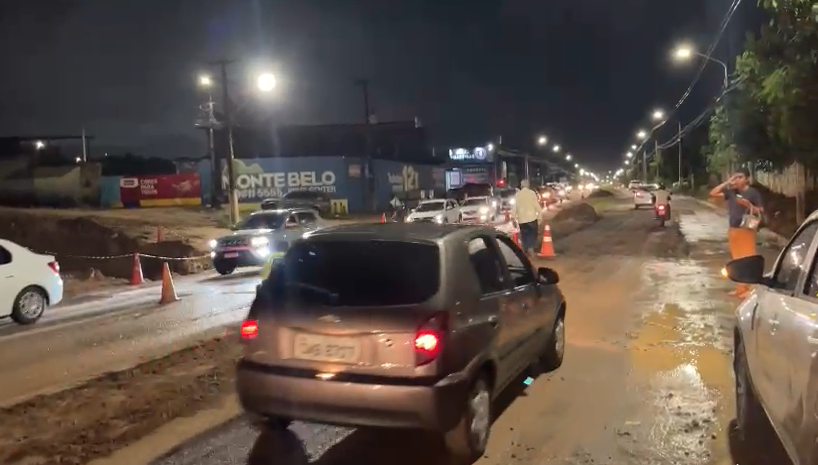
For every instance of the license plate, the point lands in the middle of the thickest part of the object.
(327, 348)
(231, 255)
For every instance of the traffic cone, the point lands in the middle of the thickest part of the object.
(160, 235)
(515, 236)
(383, 217)
(547, 249)
(136, 271)
(168, 289)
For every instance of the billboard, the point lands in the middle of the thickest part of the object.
(263, 178)
(396, 178)
(160, 190)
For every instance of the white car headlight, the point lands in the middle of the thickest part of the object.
(439, 219)
(259, 241)
(484, 210)
(213, 243)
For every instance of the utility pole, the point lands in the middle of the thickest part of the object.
(680, 154)
(228, 116)
(645, 166)
(656, 156)
(369, 197)
(215, 173)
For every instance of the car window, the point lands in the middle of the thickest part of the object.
(320, 273)
(518, 266)
(5, 256)
(487, 266)
(431, 206)
(793, 258)
(262, 221)
(306, 217)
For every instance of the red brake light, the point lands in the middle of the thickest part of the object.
(54, 266)
(661, 207)
(429, 339)
(249, 329)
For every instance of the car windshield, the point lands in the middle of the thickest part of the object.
(263, 221)
(430, 206)
(320, 272)
(474, 202)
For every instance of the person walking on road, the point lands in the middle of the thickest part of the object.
(744, 215)
(527, 211)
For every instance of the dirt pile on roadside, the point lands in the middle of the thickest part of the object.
(600, 194)
(580, 212)
(94, 419)
(82, 244)
(572, 219)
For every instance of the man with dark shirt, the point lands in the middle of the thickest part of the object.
(741, 200)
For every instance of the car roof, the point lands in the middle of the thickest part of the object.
(407, 232)
(282, 211)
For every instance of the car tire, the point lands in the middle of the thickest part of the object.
(554, 353)
(751, 420)
(29, 305)
(224, 269)
(467, 441)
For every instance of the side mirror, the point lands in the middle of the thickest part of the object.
(548, 275)
(747, 270)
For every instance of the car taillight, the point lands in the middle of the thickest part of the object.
(54, 266)
(249, 329)
(429, 339)
(661, 207)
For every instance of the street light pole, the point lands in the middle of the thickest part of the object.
(215, 182)
(680, 153)
(645, 165)
(228, 116)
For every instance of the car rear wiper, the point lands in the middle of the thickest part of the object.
(332, 296)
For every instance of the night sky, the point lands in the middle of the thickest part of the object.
(584, 72)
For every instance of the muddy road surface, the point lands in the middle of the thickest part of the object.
(647, 377)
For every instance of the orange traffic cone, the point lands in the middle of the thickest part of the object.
(136, 272)
(515, 236)
(383, 217)
(547, 249)
(168, 289)
(160, 235)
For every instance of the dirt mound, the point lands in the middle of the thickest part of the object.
(579, 212)
(82, 244)
(600, 193)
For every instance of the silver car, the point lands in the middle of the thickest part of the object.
(776, 341)
(392, 325)
(260, 235)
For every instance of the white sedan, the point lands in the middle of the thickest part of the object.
(435, 210)
(29, 283)
(642, 198)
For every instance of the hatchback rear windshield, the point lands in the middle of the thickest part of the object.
(362, 273)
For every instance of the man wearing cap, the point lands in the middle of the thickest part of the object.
(527, 211)
(742, 200)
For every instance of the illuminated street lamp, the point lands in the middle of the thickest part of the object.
(582, 172)
(627, 162)
(576, 165)
(39, 145)
(629, 154)
(568, 157)
(490, 147)
(642, 134)
(266, 82)
(542, 140)
(658, 115)
(205, 80)
(633, 147)
(556, 148)
(686, 52)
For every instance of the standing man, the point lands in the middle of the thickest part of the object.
(743, 204)
(527, 211)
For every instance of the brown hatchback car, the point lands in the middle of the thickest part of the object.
(399, 326)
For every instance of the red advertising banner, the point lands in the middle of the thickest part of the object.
(161, 190)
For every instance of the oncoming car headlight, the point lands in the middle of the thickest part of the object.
(439, 219)
(484, 210)
(259, 241)
(213, 243)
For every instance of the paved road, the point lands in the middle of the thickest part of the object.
(646, 379)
